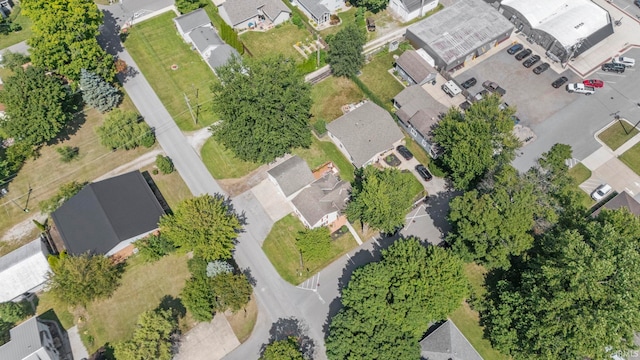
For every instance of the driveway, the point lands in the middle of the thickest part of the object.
(274, 203)
(615, 173)
(211, 341)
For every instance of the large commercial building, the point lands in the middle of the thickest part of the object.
(564, 28)
(459, 33)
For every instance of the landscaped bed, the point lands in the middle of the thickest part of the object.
(617, 134)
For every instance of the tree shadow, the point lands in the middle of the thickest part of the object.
(70, 129)
(252, 280)
(174, 305)
(228, 202)
(283, 328)
(109, 36)
(437, 207)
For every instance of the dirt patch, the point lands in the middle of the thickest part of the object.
(235, 187)
(24, 230)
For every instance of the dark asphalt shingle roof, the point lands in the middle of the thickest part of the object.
(192, 20)
(292, 175)
(107, 212)
(448, 343)
(621, 200)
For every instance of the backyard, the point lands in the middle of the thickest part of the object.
(17, 36)
(376, 76)
(156, 47)
(617, 134)
(329, 95)
(279, 40)
(280, 247)
(321, 152)
(222, 163)
(631, 157)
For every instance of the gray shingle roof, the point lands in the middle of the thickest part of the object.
(204, 37)
(413, 5)
(415, 66)
(365, 132)
(418, 108)
(292, 175)
(448, 343)
(192, 20)
(273, 8)
(325, 195)
(23, 269)
(221, 55)
(25, 340)
(107, 212)
(235, 12)
(621, 200)
(315, 7)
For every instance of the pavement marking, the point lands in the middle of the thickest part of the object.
(311, 283)
(609, 74)
(349, 257)
(629, 191)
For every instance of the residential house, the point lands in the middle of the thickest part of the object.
(34, 339)
(364, 133)
(412, 66)
(322, 202)
(196, 29)
(408, 10)
(291, 176)
(418, 113)
(106, 217)
(622, 200)
(319, 11)
(23, 271)
(251, 14)
(446, 342)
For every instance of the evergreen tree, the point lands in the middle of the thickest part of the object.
(98, 93)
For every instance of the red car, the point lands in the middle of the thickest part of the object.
(594, 83)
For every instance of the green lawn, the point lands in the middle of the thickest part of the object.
(172, 187)
(156, 46)
(415, 187)
(347, 17)
(276, 41)
(330, 94)
(579, 173)
(377, 78)
(222, 163)
(18, 36)
(280, 248)
(617, 134)
(631, 157)
(417, 151)
(321, 152)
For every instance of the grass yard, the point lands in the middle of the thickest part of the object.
(330, 94)
(279, 40)
(347, 17)
(415, 187)
(631, 157)
(417, 151)
(579, 173)
(155, 46)
(45, 174)
(377, 78)
(280, 247)
(242, 322)
(321, 152)
(468, 321)
(18, 36)
(172, 187)
(617, 134)
(222, 163)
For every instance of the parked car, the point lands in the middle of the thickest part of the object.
(594, 83)
(404, 152)
(515, 48)
(469, 83)
(523, 54)
(559, 82)
(580, 89)
(618, 68)
(494, 87)
(481, 95)
(541, 68)
(601, 191)
(626, 61)
(530, 61)
(423, 172)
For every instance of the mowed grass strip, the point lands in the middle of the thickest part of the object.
(155, 45)
(330, 95)
(617, 134)
(222, 163)
(171, 186)
(579, 173)
(376, 76)
(631, 157)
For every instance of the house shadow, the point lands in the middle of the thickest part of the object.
(284, 328)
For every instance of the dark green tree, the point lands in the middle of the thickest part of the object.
(286, 349)
(12, 312)
(345, 51)
(314, 244)
(13, 60)
(154, 247)
(476, 141)
(65, 192)
(164, 164)
(187, 6)
(125, 130)
(375, 6)
(98, 93)
(205, 224)
(203, 295)
(265, 107)
(152, 337)
(37, 105)
(198, 297)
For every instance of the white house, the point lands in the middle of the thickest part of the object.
(410, 9)
(32, 340)
(23, 270)
(291, 176)
(250, 14)
(319, 10)
(322, 202)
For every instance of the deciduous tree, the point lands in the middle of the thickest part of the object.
(345, 51)
(226, 291)
(152, 338)
(374, 6)
(198, 298)
(98, 93)
(264, 107)
(125, 130)
(286, 349)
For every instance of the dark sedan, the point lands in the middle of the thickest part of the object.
(469, 83)
(515, 48)
(559, 82)
(423, 172)
(541, 68)
(530, 61)
(523, 54)
(406, 154)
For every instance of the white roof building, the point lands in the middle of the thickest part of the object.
(23, 270)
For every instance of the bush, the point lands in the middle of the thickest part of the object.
(68, 153)
(154, 247)
(164, 164)
(320, 127)
(13, 60)
(297, 21)
(65, 192)
(217, 267)
(13, 312)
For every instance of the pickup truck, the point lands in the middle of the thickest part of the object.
(580, 89)
(494, 88)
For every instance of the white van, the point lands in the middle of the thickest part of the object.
(451, 88)
(626, 61)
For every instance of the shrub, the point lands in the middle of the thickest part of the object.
(12, 312)
(68, 153)
(320, 127)
(125, 130)
(217, 267)
(297, 21)
(154, 247)
(13, 60)
(164, 164)
(65, 192)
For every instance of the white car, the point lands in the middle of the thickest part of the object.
(580, 89)
(626, 61)
(601, 191)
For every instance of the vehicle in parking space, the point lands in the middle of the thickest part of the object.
(515, 48)
(451, 88)
(530, 61)
(626, 61)
(469, 83)
(619, 68)
(406, 154)
(559, 82)
(481, 95)
(601, 191)
(424, 172)
(516, 120)
(594, 83)
(580, 89)
(541, 68)
(494, 87)
(523, 54)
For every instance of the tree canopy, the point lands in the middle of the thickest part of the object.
(64, 37)
(125, 130)
(345, 50)
(204, 295)
(205, 224)
(286, 349)
(151, 338)
(476, 141)
(37, 105)
(375, 6)
(264, 106)
(389, 304)
(380, 198)
(314, 244)
(64, 193)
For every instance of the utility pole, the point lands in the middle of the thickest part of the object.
(197, 106)
(186, 99)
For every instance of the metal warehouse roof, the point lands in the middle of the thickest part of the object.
(567, 20)
(461, 28)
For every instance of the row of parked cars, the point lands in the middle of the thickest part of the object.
(521, 53)
(420, 169)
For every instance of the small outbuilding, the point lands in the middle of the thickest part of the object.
(412, 66)
(23, 271)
